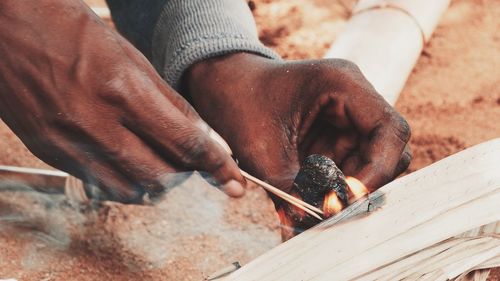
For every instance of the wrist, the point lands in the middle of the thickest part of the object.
(213, 78)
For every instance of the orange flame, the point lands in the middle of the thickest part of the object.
(357, 188)
(332, 204)
(287, 229)
(297, 212)
(283, 218)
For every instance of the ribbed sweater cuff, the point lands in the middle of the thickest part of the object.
(192, 30)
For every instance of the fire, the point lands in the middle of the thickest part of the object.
(357, 188)
(296, 212)
(287, 229)
(283, 218)
(332, 204)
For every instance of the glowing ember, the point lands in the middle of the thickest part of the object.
(332, 204)
(296, 212)
(283, 218)
(357, 188)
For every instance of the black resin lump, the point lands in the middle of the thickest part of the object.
(318, 176)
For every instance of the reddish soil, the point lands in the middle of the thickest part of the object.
(452, 101)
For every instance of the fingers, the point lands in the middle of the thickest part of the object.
(76, 154)
(139, 164)
(405, 160)
(378, 149)
(177, 138)
(383, 152)
(343, 145)
(116, 186)
(386, 153)
(366, 135)
(124, 170)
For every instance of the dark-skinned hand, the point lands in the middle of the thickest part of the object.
(87, 102)
(275, 113)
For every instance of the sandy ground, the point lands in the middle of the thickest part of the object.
(452, 101)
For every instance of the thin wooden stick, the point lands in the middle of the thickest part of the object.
(285, 196)
(279, 192)
(308, 208)
(310, 212)
(43, 172)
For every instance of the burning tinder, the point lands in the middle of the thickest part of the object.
(321, 184)
(356, 188)
(332, 204)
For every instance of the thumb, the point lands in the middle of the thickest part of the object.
(229, 169)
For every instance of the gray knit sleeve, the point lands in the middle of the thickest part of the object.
(188, 31)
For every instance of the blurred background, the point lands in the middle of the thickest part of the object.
(451, 100)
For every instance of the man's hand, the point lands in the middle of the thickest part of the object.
(274, 114)
(86, 101)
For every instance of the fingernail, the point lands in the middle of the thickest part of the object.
(234, 189)
(214, 135)
(218, 139)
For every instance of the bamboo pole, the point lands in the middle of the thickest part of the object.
(385, 39)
